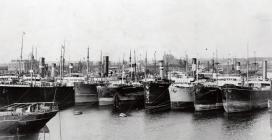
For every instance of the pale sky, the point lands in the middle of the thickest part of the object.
(116, 26)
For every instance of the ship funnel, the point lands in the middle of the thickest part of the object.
(71, 66)
(106, 65)
(162, 74)
(53, 70)
(213, 66)
(264, 70)
(238, 67)
(42, 67)
(194, 67)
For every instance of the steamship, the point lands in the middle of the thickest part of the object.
(246, 98)
(157, 96)
(208, 95)
(86, 93)
(36, 89)
(15, 93)
(251, 95)
(129, 96)
(24, 118)
(181, 92)
(106, 93)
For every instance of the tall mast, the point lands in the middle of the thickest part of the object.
(255, 63)
(63, 58)
(135, 69)
(88, 63)
(123, 70)
(21, 55)
(62, 52)
(186, 64)
(31, 65)
(155, 62)
(145, 65)
(101, 71)
(61, 62)
(247, 64)
(36, 57)
(130, 63)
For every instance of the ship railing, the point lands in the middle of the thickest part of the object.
(38, 107)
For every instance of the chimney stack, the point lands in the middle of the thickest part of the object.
(106, 65)
(194, 67)
(162, 69)
(264, 70)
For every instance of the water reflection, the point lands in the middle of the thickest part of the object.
(247, 125)
(102, 123)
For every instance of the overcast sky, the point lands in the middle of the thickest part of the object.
(116, 26)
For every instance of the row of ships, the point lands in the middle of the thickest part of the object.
(170, 90)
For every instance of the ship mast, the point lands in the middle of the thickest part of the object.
(247, 65)
(123, 70)
(88, 64)
(62, 52)
(186, 64)
(31, 67)
(130, 63)
(101, 65)
(145, 65)
(155, 62)
(135, 69)
(21, 55)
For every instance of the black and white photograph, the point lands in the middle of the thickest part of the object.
(135, 70)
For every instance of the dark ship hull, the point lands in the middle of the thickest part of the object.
(62, 95)
(86, 94)
(181, 97)
(24, 123)
(241, 99)
(129, 97)
(207, 98)
(106, 94)
(157, 96)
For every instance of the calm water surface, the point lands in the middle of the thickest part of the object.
(102, 124)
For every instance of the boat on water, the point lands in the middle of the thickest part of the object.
(26, 117)
(14, 93)
(181, 95)
(129, 96)
(253, 95)
(208, 95)
(86, 93)
(181, 91)
(157, 96)
(106, 93)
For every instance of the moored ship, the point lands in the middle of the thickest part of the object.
(250, 95)
(129, 96)
(86, 93)
(181, 96)
(26, 117)
(157, 96)
(208, 95)
(181, 91)
(246, 98)
(106, 94)
(62, 95)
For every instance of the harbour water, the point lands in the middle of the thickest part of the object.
(102, 124)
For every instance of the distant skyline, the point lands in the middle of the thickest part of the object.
(195, 27)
